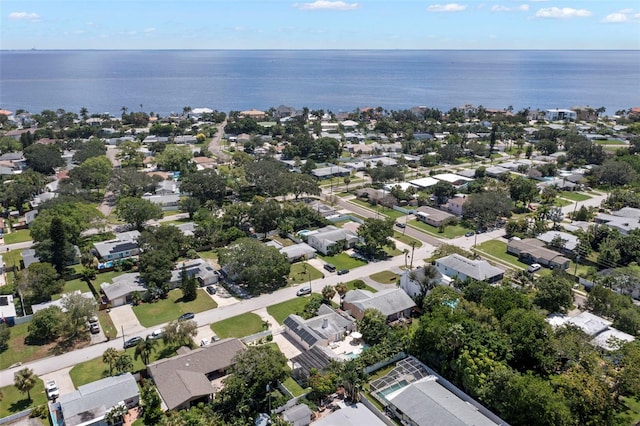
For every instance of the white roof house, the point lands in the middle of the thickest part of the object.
(392, 303)
(425, 182)
(458, 266)
(604, 336)
(326, 239)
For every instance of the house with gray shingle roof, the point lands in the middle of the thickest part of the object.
(393, 303)
(323, 329)
(331, 239)
(456, 266)
(124, 245)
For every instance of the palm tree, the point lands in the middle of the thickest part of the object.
(109, 357)
(84, 113)
(347, 181)
(124, 363)
(328, 292)
(24, 380)
(115, 416)
(342, 289)
(144, 348)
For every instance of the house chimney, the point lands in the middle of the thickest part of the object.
(325, 323)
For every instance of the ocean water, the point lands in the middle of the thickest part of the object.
(336, 80)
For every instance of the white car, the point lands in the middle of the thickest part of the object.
(156, 334)
(205, 342)
(52, 389)
(534, 267)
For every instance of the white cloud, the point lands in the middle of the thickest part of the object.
(149, 30)
(562, 13)
(621, 17)
(24, 16)
(521, 8)
(326, 5)
(450, 7)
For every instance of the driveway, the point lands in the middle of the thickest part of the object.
(124, 319)
(62, 378)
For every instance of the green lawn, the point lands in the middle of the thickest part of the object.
(574, 196)
(631, 415)
(169, 309)
(18, 236)
(451, 231)
(609, 142)
(362, 203)
(350, 286)
(285, 242)
(209, 254)
(110, 331)
(342, 261)
(282, 310)
(385, 211)
(392, 252)
(498, 249)
(106, 277)
(19, 351)
(12, 258)
(406, 239)
(239, 326)
(14, 401)
(384, 277)
(95, 369)
(561, 203)
(298, 274)
(293, 387)
(73, 285)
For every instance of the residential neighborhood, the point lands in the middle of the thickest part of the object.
(291, 265)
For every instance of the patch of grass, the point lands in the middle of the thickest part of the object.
(109, 329)
(629, 413)
(406, 239)
(451, 231)
(19, 351)
(280, 311)
(19, 236)
(574, 196)
(342, 261)
(293, 387)
(95, 369)
(609, 142)
(12, 258)
(209, 254)
(384, 277)
(239, 326)
(106, 277)
(362, 203)
(351, 286)
(343, 194)
(14, 401)
(169, 309)
(561, 203)
(284, 241)
(298, 274)
(169, 213)
(498, 249)
(73, 285)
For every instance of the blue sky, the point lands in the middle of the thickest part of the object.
(321, 24)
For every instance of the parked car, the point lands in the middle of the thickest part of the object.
(400, 225)
(329, 267)
(534, 267)
(205, 342)
(303, 291)
(156, 334)
(52, 389)
(132, 342)
(469, 234)
(94, 328)
(211, 289)
(187, 316)
(343, 271)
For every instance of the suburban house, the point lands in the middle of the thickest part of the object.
(569, 241)
(392, 303)
(8, 312)
(424, 183)
(166, 202)
(327, 172)
(298, 415)
(455, 204)
(168, 187)
(28, 257)
(624, 220)
(298, 252)
(60, 302)
(603, 335)
(456, 266)
(186, 379)
(433, 217)
(453, 179)
(418, 396)
(91, 402)
(187, 228)
(198, 268)
(120, 292)
(560, 115)
(323, 329)
(330, 239)
(124, 245)
(531, 250)
(410, 280)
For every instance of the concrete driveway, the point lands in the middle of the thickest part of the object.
(125, 320)
(62, 378)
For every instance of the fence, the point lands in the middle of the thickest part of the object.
(17, 416)
(256, 337)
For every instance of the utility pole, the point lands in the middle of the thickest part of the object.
(413, 247)
(123, 341)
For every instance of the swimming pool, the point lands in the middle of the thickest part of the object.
(394, 387)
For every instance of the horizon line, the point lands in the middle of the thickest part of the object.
(35, 49)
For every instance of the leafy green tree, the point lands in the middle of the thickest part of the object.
(310, 309)
(110, 357)
(299, 183)
(264, 215)
(328, 292)
(180, 333)
(342, 289)
(137, 211)
(5, 335)
(25, 380)
(376, 234)
(531, 339)
(78, 309)
(322, 384)
(259, 267)
(124, 363)
(94, 173)
(43, 158)
(189, 205)
(443, 190)
(45, 326)
(129, 155)
(373, 326)
(155, 270)
(553, 293)
(39, 282)
(523, 189)
(144, 349)
(204, 185)
(152, 413)
(486, 208)
(614, 173)
(165, 238)
(188, 285)
(76, 218)
(60, 247)
(129, 182)
(175, 158)
(627, 369)
(94, 147)
(628, 320)
(547, 146)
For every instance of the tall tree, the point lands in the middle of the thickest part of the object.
(25, 380)
(110, 357)
(553, 294)
(59, 243)
(124, 363)
(144, 349)
(373, 326)
(151, 402)
(188, 285)
(43, 158)
(137, 211)
(376, 234)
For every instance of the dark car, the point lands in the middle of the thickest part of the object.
(187, 316)
(303, 291)
(211, 289)
(132, 342)
(400, 225)
(343, 271)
